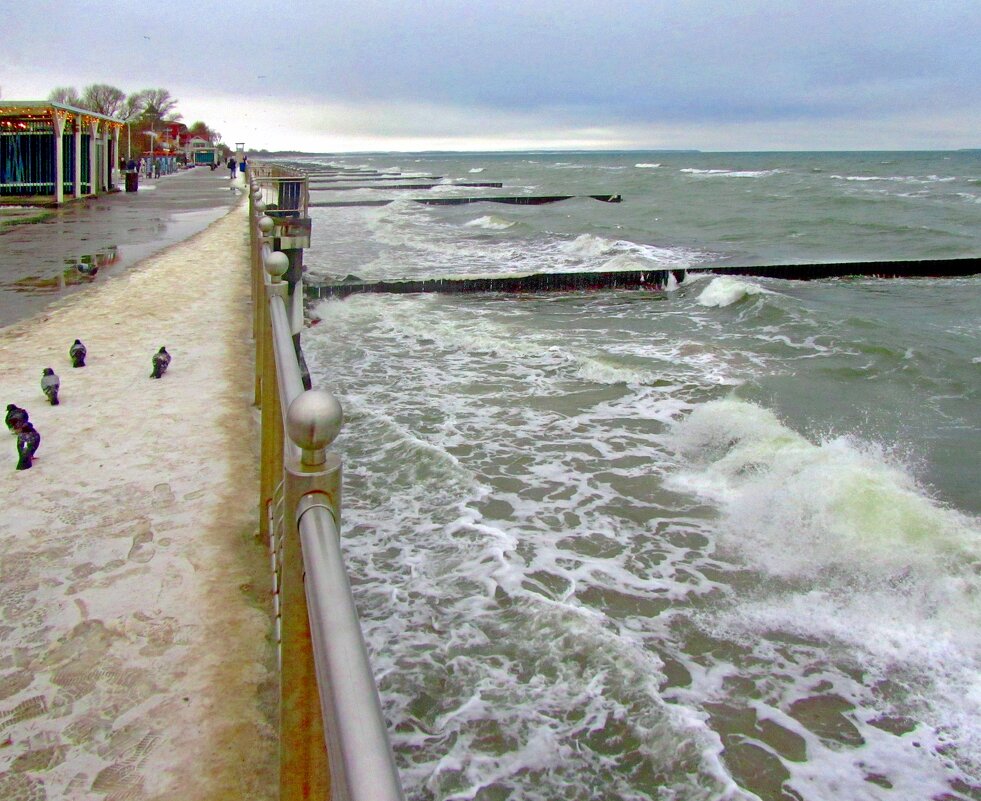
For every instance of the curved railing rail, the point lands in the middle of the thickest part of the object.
(333, 739)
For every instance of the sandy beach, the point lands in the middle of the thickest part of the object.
(136, 660)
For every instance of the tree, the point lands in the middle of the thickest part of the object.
(201, 130)
(104, 99)
(158, 105)
(67, 95)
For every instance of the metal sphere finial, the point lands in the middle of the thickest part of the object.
(277, 263)
(313, 421)
(266, 223)
(259, 206)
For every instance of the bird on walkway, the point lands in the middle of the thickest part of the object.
(28, 441)
(77, 352)
(15, 419)
(161, 360)
(49, 385)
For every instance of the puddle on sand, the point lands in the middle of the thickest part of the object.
(78, 270)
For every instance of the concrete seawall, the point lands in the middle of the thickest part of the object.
(134, 609)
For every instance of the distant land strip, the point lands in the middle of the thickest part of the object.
(646, 279)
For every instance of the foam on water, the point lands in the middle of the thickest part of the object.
(588, 246)
(492, 222)
(861, 557)
(730, 173)
(725, 290)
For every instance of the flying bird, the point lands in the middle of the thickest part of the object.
(15, 419)
(28, 441)
(50, 384)
(77, 353)
(161, 360)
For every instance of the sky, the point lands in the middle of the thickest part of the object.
(365, 75)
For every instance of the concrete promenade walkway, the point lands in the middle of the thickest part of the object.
(115, 232)
(135, 640)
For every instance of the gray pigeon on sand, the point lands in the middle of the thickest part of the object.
(28, 441)
(15, 419)
(50, 384)
(161, 360)
(77, 352)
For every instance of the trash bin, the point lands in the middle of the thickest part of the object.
(132, 181)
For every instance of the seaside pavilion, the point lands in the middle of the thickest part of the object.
(50, 152)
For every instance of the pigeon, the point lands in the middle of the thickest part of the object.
(50, 383)
(15, 419)
(77, 351)
(28, 441)
(161, 360)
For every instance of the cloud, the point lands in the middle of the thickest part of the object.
(595, 72)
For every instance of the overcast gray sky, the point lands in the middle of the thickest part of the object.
(505, 74)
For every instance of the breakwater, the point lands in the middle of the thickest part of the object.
(647, 279)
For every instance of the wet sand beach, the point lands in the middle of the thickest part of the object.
(135, 654)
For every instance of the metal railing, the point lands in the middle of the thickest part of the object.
(333, 739)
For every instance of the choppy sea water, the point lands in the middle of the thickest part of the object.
(716, 542)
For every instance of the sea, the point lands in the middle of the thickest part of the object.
(719, 540)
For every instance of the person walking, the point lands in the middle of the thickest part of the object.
(231, 167)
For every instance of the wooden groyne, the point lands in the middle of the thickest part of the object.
(647, 279)
(380, 177)
(537, 282)
(518, 200)
(315, 186)
(920, 268)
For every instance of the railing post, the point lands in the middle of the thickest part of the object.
(260, 318)
(313, 421)
(271, 422)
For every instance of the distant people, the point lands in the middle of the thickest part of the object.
(131, 166)
(243, 165)
(232, 165)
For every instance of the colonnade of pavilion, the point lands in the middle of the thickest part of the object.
(50, 151)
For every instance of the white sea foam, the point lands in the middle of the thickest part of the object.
(646, 166)
(864, 556)
(476, 169)
(731, 173)
(588, 246)
(909, 179)
(492, 222)
(725, 290)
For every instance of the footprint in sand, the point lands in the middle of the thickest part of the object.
(163, 495)
(143, 548)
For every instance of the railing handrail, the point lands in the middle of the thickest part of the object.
(360, 752)
(333, 739)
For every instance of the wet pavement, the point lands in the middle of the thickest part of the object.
(85, 242)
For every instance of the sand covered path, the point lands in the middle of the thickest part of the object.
(135, 654)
